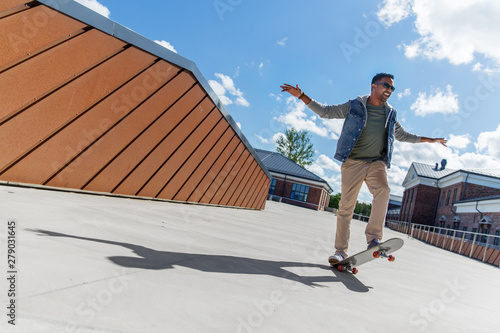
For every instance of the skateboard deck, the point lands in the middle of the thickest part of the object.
(382, 250)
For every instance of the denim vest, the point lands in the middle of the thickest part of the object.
(354, 123)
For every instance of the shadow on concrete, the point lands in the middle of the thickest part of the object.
(158, 260)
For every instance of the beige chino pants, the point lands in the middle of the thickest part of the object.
(353, 174)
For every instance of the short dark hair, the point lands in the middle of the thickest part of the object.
(380, 76)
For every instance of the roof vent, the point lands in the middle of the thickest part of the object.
(443, 164)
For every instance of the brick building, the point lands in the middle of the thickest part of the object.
(466, 199)
(294, 184)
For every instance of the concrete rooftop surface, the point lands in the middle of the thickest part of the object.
(90, 263)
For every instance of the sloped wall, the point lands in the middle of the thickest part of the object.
(82, 109)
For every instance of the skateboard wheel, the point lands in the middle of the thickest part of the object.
(340, 268)
(354, 270)
(376, 254)
(391, 258)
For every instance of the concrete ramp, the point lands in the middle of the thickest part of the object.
(87, 263)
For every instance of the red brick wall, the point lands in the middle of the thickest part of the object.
(478, 191)
(445, 205)
(419, 204)
(471, 220)
(469, 191)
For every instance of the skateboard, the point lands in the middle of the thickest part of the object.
(382, 251)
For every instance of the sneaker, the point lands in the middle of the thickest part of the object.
(373, 243)
(337, 257)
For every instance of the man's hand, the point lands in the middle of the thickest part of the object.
(442, 141)
(294, 91)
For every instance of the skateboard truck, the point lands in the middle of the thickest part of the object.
(382, 254)
(342, 268)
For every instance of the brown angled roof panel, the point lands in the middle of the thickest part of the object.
(30, 31)
(89, 105)
(197, 157)
(194, 181)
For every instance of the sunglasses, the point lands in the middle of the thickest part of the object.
(387, 86)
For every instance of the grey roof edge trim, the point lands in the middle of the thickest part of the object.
(491, 197)
(106, 25)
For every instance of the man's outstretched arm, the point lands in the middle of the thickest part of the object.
(324, 111)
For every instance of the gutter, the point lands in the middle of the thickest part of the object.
(480, 213)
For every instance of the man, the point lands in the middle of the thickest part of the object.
(365, 149)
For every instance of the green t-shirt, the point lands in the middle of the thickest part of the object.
(372, 143)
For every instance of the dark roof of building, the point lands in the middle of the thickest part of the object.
(495, 173)
(429, 171)
(275, 162)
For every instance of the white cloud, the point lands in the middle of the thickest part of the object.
(316, 169)
(405, 93)
(271, 140)
(327, 163)
(166, 45)
(459, 141)
(449, 29)
(220, 91)
(282, 41)
(436, 102)
(226, 84)
(262, 139)
(278, 98)
(489, 143)
(297, 118)
(334, 127)
(396, 176)
(479, 67)
(394, 11)
(334, 181)
(95, 6)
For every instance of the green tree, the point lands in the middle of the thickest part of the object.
(296, 146)
(361, 207)
(334, 201)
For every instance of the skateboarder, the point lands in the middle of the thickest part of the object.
(365, 149)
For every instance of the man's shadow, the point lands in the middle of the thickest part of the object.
(157, 260)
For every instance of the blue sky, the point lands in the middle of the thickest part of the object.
(445, 56)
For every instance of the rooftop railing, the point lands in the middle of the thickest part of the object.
(475, 245)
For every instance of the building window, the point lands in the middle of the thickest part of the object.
(272, 187)
(472, 235)
(299, 192)
(485, 231)
(496, 241)
(448, 198)
(442, 200)
(455, 195)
